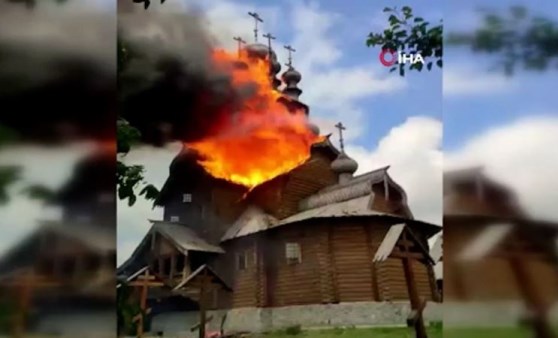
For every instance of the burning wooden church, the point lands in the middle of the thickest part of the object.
(313, 236)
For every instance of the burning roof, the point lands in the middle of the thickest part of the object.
(263, 138)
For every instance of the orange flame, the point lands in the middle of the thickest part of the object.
(263, 139)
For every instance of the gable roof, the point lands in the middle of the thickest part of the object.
(197, 273)
(252, 220)
(256, 220)
(96, 239)
(390, 241)
(358, 187)
(182, 237)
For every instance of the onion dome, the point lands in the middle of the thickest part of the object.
(314, 128)
(257, 50)
(262, 51)
(291, 78)
(343, 164)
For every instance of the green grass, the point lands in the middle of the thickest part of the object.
(511, 332)
(433, 332)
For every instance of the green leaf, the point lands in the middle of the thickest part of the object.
(149, 192)
(429, 65)
(126, 136)
(439, 63)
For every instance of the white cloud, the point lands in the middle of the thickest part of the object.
(48, 166)
(413, 152)
(133, 221)
(465, 81)
(521, 155)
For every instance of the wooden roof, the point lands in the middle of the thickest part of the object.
(95, 239)
(470, 191)
(180, 235)
(215, 278)
(257, 221)
(391, 240)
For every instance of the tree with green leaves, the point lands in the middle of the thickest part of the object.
(517, 39)
(129, 178)
(411, 34)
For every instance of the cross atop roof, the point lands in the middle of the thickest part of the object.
(269, 37)
(290, 50)
(257, 19)
(240, 43)
(341, 127)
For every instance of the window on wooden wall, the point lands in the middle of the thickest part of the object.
(242, 260)
(293, 253)
(186, 198)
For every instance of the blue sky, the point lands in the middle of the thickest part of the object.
(523, 95)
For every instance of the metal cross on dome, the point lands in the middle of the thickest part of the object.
(290, 59)
(341, 127)
(240, 43)
(269, 37)
(257, 19)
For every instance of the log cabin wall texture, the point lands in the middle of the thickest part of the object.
(336, 266)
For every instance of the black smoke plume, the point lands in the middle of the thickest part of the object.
(57, 72)
(169, 87)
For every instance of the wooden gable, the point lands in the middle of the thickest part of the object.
(281, 196)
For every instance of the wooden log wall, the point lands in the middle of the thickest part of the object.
(298, 283)
(244, 282)
(353, 263)
(337, 266)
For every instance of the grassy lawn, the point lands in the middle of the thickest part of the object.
(511, 332)
(355, 333)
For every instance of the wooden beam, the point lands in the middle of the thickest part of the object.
(144, 282)
(532, 299)
(410, 255)
(416, 303)
(25, 284)
(203, 306)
